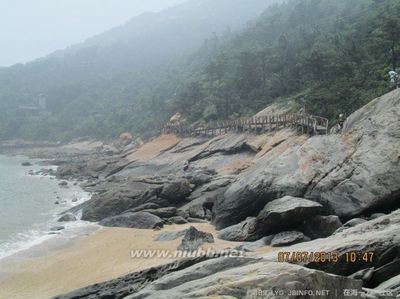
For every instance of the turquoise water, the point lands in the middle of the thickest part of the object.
(27, 205)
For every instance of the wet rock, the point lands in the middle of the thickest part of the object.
(26, 164)
(194, 238)
(141, 220)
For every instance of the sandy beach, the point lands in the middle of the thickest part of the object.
(53, 269)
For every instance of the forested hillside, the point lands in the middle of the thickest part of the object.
(331, 56)
(111, 82)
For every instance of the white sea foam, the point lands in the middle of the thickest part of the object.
(25, 233)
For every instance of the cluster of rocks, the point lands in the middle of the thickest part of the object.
(294, 190)
(244, 277)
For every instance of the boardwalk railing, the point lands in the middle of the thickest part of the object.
(305, 123)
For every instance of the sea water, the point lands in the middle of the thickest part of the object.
(27, 205)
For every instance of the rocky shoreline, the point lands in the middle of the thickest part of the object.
(336, 196)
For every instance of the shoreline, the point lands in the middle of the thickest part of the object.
(27, 238)
(52, 269)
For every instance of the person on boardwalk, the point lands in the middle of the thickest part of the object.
(341, 121)
(394, 79)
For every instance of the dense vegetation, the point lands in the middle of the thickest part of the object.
(331, 56)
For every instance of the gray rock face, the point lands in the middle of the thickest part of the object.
(141, 220)
(67, 218)
(287, 238)
(321, 226)
(120, 197)
(193, 239)
(285, 213)
(349, 174)
(242, 278)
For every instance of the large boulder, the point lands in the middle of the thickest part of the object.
(120, 197)
(349, 174)
(285, 213)
(141, 220)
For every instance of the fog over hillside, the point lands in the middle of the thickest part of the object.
(48, 25)
(90, 87)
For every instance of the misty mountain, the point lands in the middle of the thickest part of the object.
(87, 81)
(199, 59)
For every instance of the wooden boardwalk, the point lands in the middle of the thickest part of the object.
(304, 123)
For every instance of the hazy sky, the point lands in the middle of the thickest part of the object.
(30, 29)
